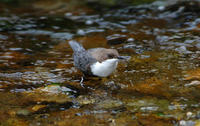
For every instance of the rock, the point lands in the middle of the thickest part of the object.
(110, 104)
(148, 120)
(183, 49)
(197, 123)
(116, 39)
(86, 100)
(62, 36)
(51, 93)
(81, 32)
(189, 114)
(187, 123)
(198, 45)
(193, 74)
(3, 37)
(23, 112)
(193, 83)
(130, 39)
(146, 104)
(37, 107)
(152, 86)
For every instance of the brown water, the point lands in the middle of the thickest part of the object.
(159, 85)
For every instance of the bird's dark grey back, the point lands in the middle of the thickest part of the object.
(82, 59)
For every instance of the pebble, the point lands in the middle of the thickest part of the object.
(189, 114)
(130, 39)
(89, 22)
(81, 32)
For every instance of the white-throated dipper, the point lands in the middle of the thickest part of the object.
(99, 62)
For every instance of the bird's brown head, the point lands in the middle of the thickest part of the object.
(102, 54)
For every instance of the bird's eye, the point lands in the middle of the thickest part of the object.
(110, 56)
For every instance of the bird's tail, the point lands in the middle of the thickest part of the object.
(77, 47)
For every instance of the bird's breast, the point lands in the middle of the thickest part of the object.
(104, 68)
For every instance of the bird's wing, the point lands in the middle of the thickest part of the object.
(83, 61)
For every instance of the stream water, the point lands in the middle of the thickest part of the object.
(159, 85)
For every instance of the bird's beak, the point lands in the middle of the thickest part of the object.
(121, 57)
(124, 58)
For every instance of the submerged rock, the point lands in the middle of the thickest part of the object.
(23, 112)
(86, 100)
(116, 39)
(147, 104)
(193, 74)
(52, 93)
(152, 86)
(109, 104)
(37, 107)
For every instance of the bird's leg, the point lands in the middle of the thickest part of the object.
(82, 79)
(81, 82)
(83, 85)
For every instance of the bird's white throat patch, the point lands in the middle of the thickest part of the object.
(104, 68)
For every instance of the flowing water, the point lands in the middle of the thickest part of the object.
(159, 84)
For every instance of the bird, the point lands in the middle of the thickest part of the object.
(99, 62)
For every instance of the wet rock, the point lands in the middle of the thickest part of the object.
(23, 112)
(175, 8)
(198, 45)
(148, 120)
(57, 98)
(41, 75)
(130, 39)
(190, 6)
(16, 75)
(129, 51)
(62, 36)
(34, 32)
(109, 104)
(3, 37)
(116, 39)
(37, 107)
(68, 14)
(15, 49)
(89, 22)
(81, 32)
(183, 49)
(51, 93)
(51, 5)
(56, 89)
(193, 75)
(152, 86)
(16, 57)
(187, 123)
(193, 79)
(125, 119)
(88, 31)
(197, 123)
(146, 104)
(88, 41)
(189, 114)
(84, 100)
(193, 25)
(14, 122)
(193, 83)
(15, 60)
